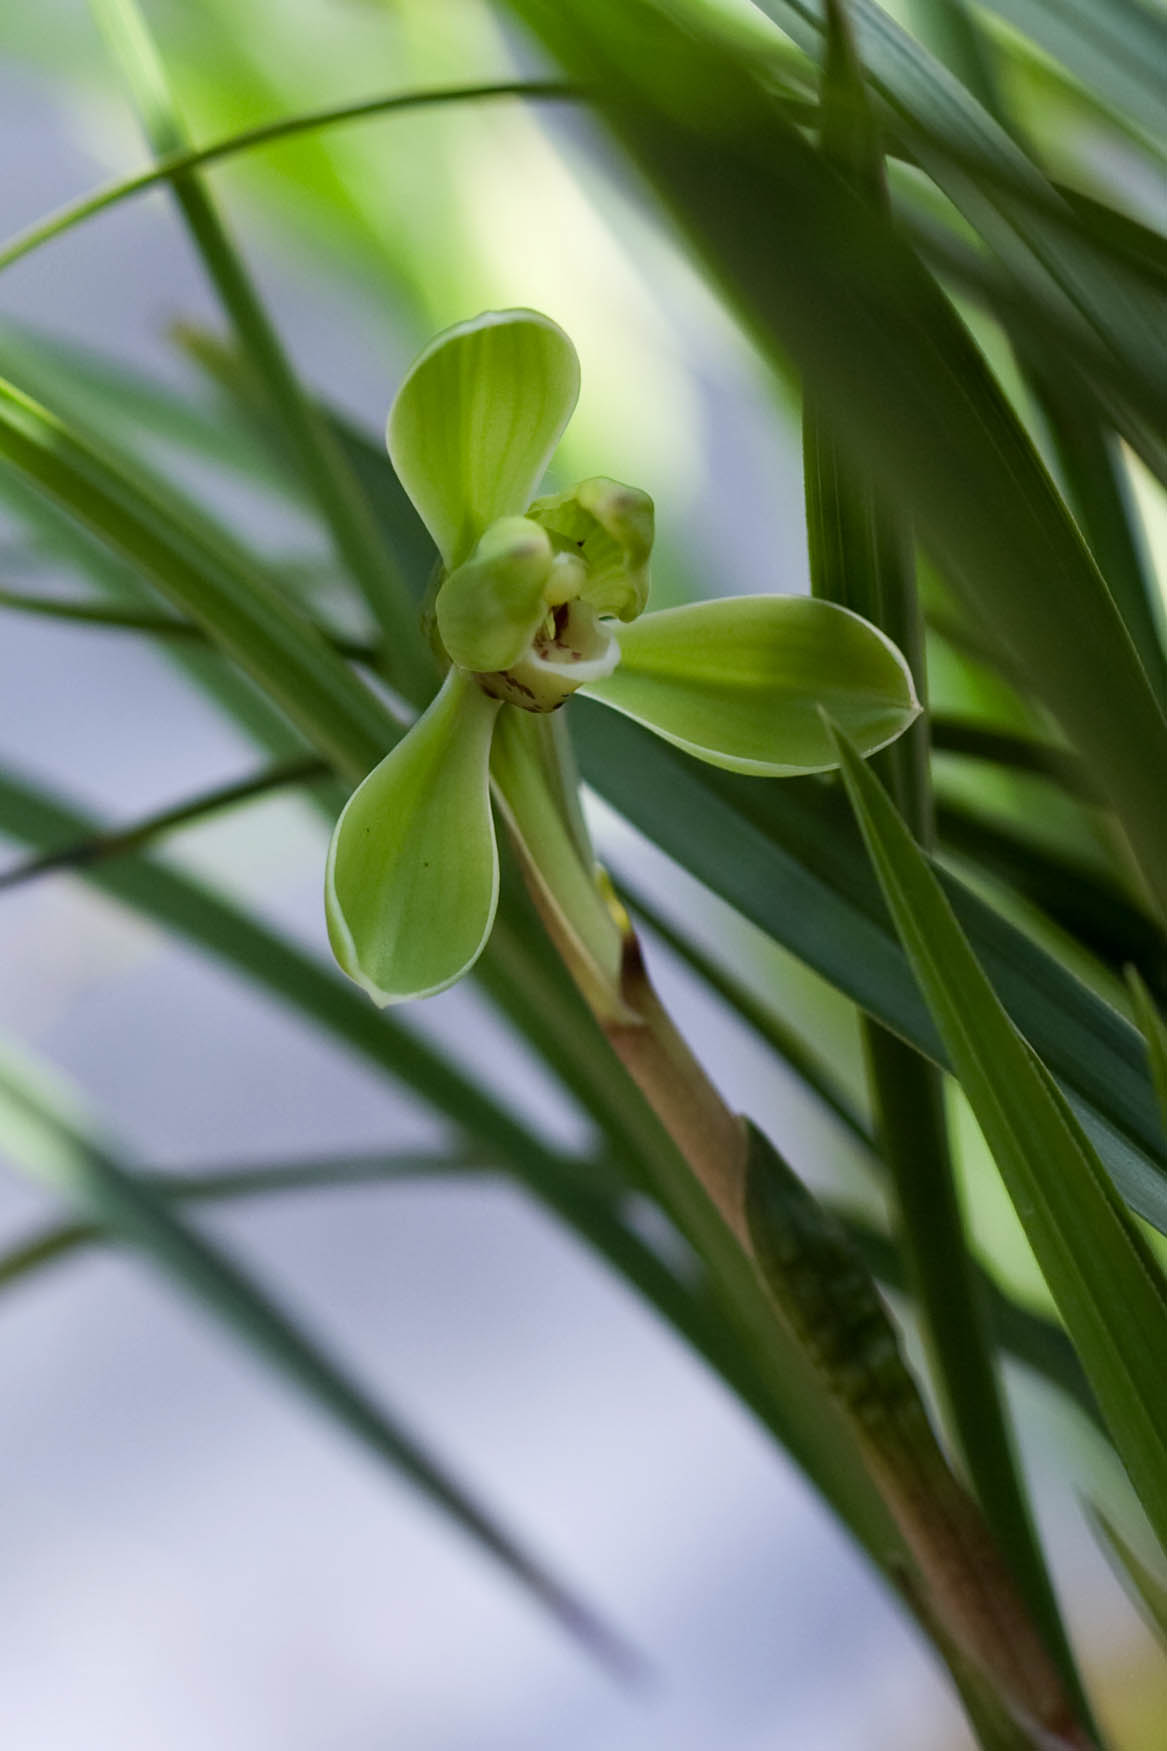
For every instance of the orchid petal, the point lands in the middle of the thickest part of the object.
(476, 421)
(412, 880)
(739, 682)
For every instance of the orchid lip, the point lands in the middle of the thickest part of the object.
(581, 645)
(573, 648)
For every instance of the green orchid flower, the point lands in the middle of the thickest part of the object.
(540, 598)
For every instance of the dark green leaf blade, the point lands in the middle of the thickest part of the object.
(1154, 1031)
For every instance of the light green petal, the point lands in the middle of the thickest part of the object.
(490, 609)
(476, 420)
(739, 682)
(412, 880)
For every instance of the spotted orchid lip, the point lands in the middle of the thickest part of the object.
(579, 649)
(581, 645)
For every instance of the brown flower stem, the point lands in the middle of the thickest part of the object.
(656, 1056)
(820, 1286)
(819, 1281)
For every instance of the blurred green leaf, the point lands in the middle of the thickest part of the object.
(1154, 1031)
(1028, 1338)
(172, 164)
(861, 554)
(97, 848)
(1144, 1587)
(58, 1240)
(137, 408)
(1021, 753)
(1116, 47)
(321, 462)
(1092, 907)
(252, 950)
(52, 1149)
(204, 577)
(892, 365)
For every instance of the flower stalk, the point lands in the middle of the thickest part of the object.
(536, 599)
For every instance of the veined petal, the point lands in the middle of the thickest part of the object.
(476, 420)
(412, 880)
(739, 682)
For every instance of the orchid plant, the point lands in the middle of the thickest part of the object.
(537, 599)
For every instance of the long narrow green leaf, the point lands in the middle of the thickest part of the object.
(894, 366)
(1085, 902)
(1108, 1287)
(323, 469)
(788, 857)
(860, 553)
(991, 179)
(1020, 753)
(53, 1150)
(98, 848)
(1148, 1591)
(239, 608)
(138, 408)
(1043, 331)
(252, 950)
(58, 1241)
(1091, 466)
(1116, 47)
(109, 617)
(1154, 1031)
(172, 164)
(76, 549)
(1028, 1338)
